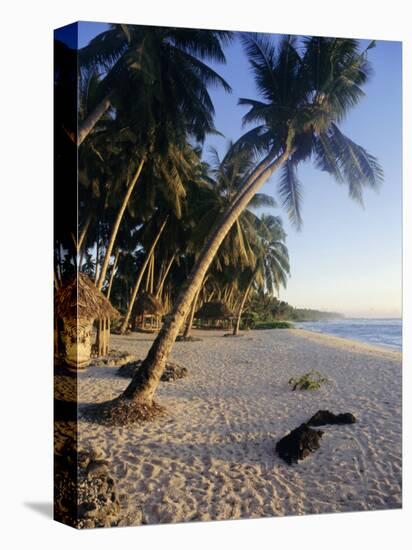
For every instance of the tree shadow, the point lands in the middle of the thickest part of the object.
(247, 451)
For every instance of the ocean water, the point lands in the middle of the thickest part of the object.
(379, 332)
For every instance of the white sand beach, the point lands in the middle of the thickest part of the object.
(213, 456)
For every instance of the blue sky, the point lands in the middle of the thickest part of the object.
(346, 258)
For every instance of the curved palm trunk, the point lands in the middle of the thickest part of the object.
(116, 225)
(144, 384)
(189, 324)
(90, 122)
(242, 304)
(112, 273)
(139, 279)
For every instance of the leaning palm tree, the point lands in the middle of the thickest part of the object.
(225, 176)
(307, 88)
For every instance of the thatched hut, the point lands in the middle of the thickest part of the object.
(78, 305)
(147, 312)
(214, 314)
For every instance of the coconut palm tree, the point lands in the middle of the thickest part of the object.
(272, 262)
(225, 177)
(273, 255)
(307, 88)
(156, 79)
(134, 61)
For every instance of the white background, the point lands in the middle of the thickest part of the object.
(26, 271)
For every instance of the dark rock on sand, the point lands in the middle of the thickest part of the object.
(115, 358)
(97, 468)
(173, 371)
(326, 417)
(182, 338)
(298, 444)
(129, 369)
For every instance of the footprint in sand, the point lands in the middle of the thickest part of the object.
(149, 470)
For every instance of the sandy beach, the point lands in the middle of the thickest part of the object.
(213, 455)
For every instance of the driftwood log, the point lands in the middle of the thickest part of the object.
(326, 417)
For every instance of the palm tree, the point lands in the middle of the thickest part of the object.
(140, 275)
(307, 88)
(163, 71)
(274, 255)
(272, 262)
(169, 176)
(134, 60)
(225, 177)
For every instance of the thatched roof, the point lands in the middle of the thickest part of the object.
(214, 310)
(147, 304)
(80, 298)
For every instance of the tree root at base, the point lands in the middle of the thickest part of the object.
(122, 412)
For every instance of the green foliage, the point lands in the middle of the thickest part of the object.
(273, 324)
(299, 314)
(306, 88)
(312, 380)
(158, 81)
(267, 308)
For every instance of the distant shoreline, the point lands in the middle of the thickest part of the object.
(344, 318)
(348, 343)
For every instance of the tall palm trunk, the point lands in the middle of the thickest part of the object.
(82, 235)
(90, 122)
(148, 271)
(80, 242)
(139, 279)
(149, 275)
(210, 297)
(116, 225)
(164, 276)
(116, 258)
(96, 272)
(242, 303)
(144, 384)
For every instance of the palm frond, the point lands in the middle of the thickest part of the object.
(290, 191)
(262, 200)
(359, 168)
